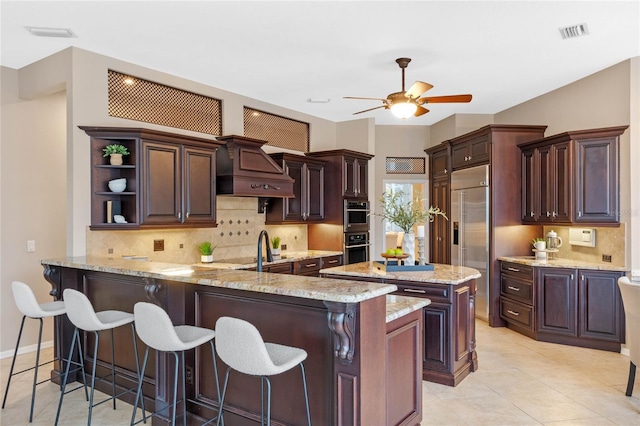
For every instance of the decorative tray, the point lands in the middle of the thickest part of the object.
(393, 266)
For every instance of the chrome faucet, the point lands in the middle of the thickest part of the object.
(269, 255)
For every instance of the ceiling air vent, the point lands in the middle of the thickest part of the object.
(574, 31)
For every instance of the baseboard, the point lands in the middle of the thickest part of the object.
(623, 351)
(26, 349)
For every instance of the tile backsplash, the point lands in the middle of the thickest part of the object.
(239, 225)
(609, 240)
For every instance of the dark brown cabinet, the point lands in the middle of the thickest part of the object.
(497, 146)
(579, 307)
(467, 152)
(179, 184)
(440, 196)
(307, 205)
(170, 179)
(599, 297)
(346, 170)
(572, 177)
(557, 301)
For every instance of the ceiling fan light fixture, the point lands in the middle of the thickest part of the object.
(404, 110)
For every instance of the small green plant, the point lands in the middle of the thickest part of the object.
(115, 149)
(206, 248)
(537, 240)
(275, 242)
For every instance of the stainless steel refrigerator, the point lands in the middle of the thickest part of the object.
(470, 228)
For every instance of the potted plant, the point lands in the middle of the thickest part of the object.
(115, 153)
(539, 243)
(407, 215)
(206, 252)
(275, 247)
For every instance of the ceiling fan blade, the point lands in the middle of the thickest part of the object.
(370, 109)
(417, 89)
(371, 99)
(420, 111)
(445, 99)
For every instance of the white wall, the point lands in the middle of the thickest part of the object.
(33, 186)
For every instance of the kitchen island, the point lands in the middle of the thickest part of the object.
(344, 326)
(449, 320)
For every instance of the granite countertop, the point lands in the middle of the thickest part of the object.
(399, 306)
(562, 263)
(251, 262)
(330, 290)
(444, 274)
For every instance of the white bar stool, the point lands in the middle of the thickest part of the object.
(155, 329)
(630, 292)
(29, 307)
(82, 315)
(241, 347)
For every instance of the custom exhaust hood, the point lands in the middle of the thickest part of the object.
(245, 170)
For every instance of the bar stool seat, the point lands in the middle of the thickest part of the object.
(155, 329)
(241, 347)
(30, 308)
(630, 291)
(82, 315)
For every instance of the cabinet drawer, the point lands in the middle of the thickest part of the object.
(307, 266)
(434, 293)
(516, 313)
(331, 261)
(524, 272)
(516, 288)
(280, 268)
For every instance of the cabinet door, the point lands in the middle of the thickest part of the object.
(557, 296)
(439, 164)
(597, 193)
(439, 247)
(362, 175)
(161, 182)
(294, 207)
(546, 183)
(561, 211)
(479, 151)
(600, 306)
(529, 186)
(314, 192)
(349, 176)
(199, 185)
(459, 155)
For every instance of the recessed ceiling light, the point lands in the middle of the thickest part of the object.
(318, 100)
(574, 31)
(51, 32)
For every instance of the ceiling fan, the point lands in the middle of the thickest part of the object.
(404, 104)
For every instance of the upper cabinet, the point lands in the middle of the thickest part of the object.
(349, 171)
(470, 151)
(170, 179)
(572, 177)
(307, 205)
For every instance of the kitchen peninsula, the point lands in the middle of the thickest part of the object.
(449, 337)
(344, 326)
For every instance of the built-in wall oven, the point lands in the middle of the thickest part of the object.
(356, 247)
(356, 216)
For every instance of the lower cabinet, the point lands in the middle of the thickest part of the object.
(579, 307)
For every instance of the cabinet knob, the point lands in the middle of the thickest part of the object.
(531, 214)
(445, 171)
(187, 215)
(555, 214)
(179, 215)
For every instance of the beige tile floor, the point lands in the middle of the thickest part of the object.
(519, 382)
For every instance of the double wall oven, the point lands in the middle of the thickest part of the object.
(356, 231)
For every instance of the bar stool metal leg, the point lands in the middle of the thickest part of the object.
(13, 363)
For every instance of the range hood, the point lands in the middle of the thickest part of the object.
(243, 169)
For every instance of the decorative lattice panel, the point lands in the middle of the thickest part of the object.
(405, 165)
(276, 130)
(141, 100)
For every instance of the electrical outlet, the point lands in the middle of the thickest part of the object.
(189, 375)
(283, 246)
(181, 245)
(110, 251)
(606, 258)
(158, 245)
(31, 246)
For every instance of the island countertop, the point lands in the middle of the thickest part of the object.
(330, 290)
(443, 274)
(251, 262)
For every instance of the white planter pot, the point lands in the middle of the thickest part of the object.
(115, 159)
(275, 252)
(206, 258)
(409, 247)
